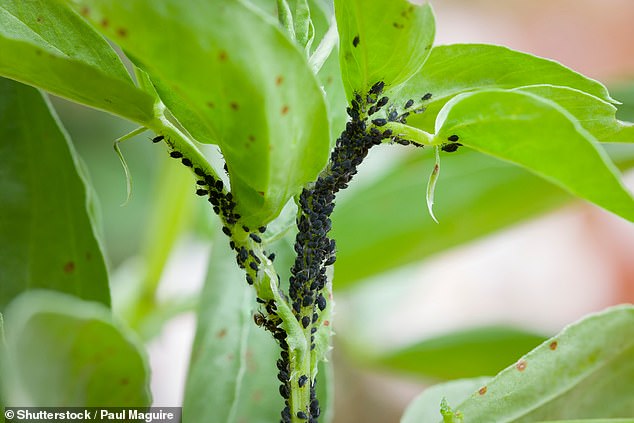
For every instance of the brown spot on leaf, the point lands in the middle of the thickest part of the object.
(85, 11)
(398, 25)
(251, 138)
(39, 19)
(553, 345)
(234, 105)
(88, 256)
(122, 32)
(326, 322)
(211, 105)
(69, 267)
(124, 381)
(329, 80)
(261, 193)
(38, 52)
(482, 390)
(222, 56)
(521, 365)
(221, 333)
(104, 22)
(284, 110)
(279, 80)
(257, 396)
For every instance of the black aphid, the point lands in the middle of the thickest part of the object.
(255, 237)
(198, 171)
(321, 302)
(262, 229)
(453, 138)
(202, 192)
(302, 381)
(305, 321)
(158, 138)
(176, 154)
(253, 265)
(426, 97)
(355, 41)
(249, 279)
(301, 415)
(226, 231)
(379, 122)
(187, 162)
(450, 148)
(409, 103)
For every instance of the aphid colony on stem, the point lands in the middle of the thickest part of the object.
(315, 250)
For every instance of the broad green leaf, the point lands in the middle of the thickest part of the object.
(382, 41)
(539, 135)
(490, 349)
(62, 351)
(45, 227)
(46, 44)
(426, 406)
(232, 373)
(232, 69)
(476, 195)
(587, 371)
(595, 115)
(459, 68)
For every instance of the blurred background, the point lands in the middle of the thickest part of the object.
(512, 261)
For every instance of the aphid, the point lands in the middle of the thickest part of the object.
(355, 41)
(232, 244)
(243, 254)
(198, 171)
(253, 265)
(301, 415)
(377, 88)
(453, 138)
(313, 330)
(284, 391)
(259, 319)
(226, 231)
(202, 192)
(282, 376)
(409, 103)
(176, 154)
(262, 229)
(379, 122)
(219, 185)
(187, 162)
(271, 256)
(315, 317)
(158, 138)
(382, 101)
(302, 381)
(305, 321)
(392, 116)
(321, 302)
(255, 237)
(199, 182)
(249, 280)
(450, 148)
(314, 408)
(426, 97)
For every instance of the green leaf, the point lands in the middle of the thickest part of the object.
(233, 70)
(62, 351)
(539, 135)
(489, 349)
(587, 371)
(232, 373)
(596, 116)
(47, 45)
(382, 41)
(459, 68)
(476, 195)
(425, 407)
(45, 227)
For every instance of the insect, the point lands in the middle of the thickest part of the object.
(453, 138)
(426, 97)
(158, 138)
(355, 41)
(176, 154)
